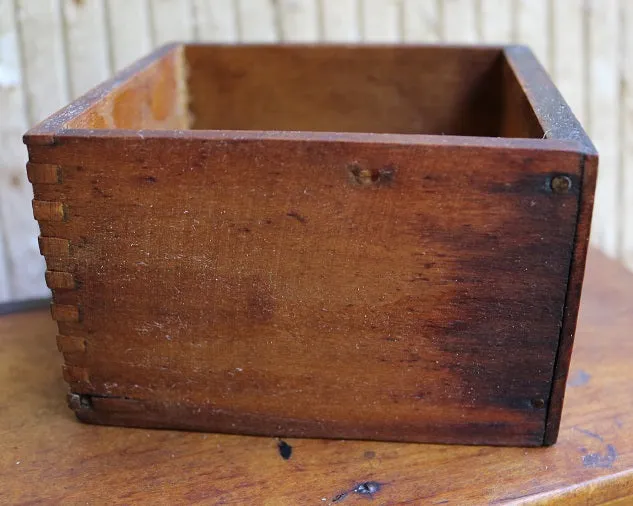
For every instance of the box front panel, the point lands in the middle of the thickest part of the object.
(318, 288)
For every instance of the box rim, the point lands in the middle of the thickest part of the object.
(544, 99)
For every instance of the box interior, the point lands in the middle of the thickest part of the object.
(371, 89)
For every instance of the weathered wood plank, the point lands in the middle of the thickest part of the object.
(569, 58)
(258, 21)
(86, 44)
(603, 119)
(341, 21)
(298, 20)
(532, 22)
(129, 30)
(215, 20)
(626, 138)
(422, 22)
(496, 21)
(381, 20)
(43, 55)
(461, 19)
(21, 268)
(171, 21)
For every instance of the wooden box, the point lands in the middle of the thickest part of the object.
(336, 241)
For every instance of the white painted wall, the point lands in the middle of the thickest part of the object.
(54, 50)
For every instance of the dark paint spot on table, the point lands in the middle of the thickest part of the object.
(604, 461)
(285, 450)
(579, 378)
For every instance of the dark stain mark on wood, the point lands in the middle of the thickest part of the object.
(579, 379)
(590, 434)
(339, 497)
(285, 450)
(150, 179)
(444, 501)
(297, 216)
(604, 461)
(369, 454)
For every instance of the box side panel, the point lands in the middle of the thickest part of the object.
(589, 166)
(518, 118)
(554, 115)
(150, 93)
(310, 288)
(154, 98)
(379, 89)
(558, 122)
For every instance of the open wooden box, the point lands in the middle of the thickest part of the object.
(335, 241)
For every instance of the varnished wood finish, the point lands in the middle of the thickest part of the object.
(47, 457)
(387, 89)
(397, 286)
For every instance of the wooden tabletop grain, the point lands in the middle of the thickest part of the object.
(46, 456)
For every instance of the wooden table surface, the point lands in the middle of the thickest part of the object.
(46, 456)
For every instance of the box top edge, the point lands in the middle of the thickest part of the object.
(552, 111)
(567, 145)
(45, 131)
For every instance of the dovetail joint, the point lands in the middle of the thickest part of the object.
(54, 246)
(58, 280)
(44, 210)
(65, 313)
(75, 374)
(43, 173)
(70, 344)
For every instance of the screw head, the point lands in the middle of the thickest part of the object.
(560, 184)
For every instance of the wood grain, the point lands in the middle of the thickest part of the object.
(46, 456)
(401, 286)
(346, 89)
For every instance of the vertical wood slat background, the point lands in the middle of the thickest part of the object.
(51, 51)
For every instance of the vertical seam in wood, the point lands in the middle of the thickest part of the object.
(277, 20)
(547, 431)
(621, 192)
(551, 48)
(479, 22)
(70, 92)
(239, 28)
(587, 67)
(28, 106)
(360, 19)
(441, 21)
(401, 29)
(107, 19)
(194, 20)
(57, 275)
(514, 20)
(151, 22)
(320, 20)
